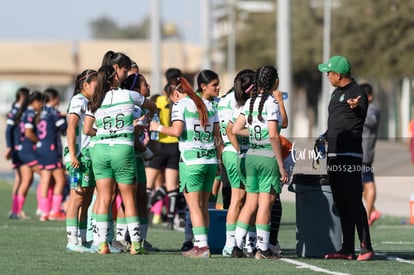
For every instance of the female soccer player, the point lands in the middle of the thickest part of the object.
(49, 129)
(138, 83)
(112, 153)
(77, 156)
(12, 140)
(264, 163)
(26, 147)
(229, 105)
(195, 122)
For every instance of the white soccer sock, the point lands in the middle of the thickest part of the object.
(251, 239)
(230, 236)
(262, 239)
(134, 234)
(72, 234)
(240, 236)
(102, 232)
(200, 240)
(121, 231)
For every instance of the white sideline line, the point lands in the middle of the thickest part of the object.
(397, 242)
(311, 267)
(401, 260)
(393, 258)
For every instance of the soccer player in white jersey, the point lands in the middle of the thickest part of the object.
(264, 163)
(228, 105)
(112, 153)
(138, 83)
(76, 155)
(195, 122)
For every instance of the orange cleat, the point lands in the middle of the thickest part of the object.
(57, 216)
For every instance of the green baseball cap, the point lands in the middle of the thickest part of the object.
(337, 64)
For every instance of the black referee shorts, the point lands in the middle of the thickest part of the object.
(168, 157)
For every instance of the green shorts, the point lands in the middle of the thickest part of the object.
(114, 161)
(141, 176)
(230, 162)
(198, 177)
(86, 175)
(262, 174)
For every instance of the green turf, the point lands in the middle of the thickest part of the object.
(34, 247)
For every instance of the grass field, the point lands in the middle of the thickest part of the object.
(34, 247)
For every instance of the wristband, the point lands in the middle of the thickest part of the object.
(159, 128)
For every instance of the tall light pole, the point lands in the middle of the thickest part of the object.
(324, 98)
(156, 46)
(284, 56)
(231, 44)
(205, 32)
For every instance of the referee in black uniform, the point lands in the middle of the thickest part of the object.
(347, 112)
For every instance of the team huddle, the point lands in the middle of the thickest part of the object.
(114, 167)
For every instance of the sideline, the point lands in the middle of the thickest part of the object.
(311, 267)
(393, 258)
(401, 260)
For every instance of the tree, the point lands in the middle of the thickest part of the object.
(377, 35)
(106, 28)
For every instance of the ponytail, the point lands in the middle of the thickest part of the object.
(106, 77)
(183, 86)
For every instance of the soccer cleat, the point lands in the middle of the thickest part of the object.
(366, 256)
(227, 251)
(103, 248)
(13, 216)
(250, 250)
(268, 254)
(137, 249)
(338, 255)
(88, 245)
(237, 253)
(375, 215)
(198, 252)
(187, 245)
(77, 248)
(39, 212)
(23, 216)
(44, 217)
(119, 246)
(113, 250)
(60, 216)
(275, 249)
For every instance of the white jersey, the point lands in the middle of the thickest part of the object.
(226, 107)
(114, 119)
(196, 143)
(78, 105)
(259, 130)
(243, 141)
